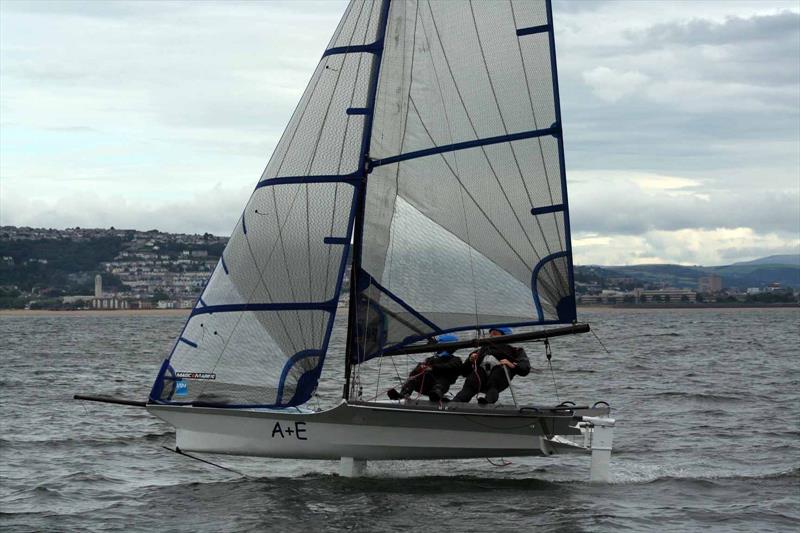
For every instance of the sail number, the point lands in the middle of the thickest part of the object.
(289, 430)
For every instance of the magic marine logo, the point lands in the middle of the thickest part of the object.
(195, 375)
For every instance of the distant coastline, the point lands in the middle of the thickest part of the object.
(185, 312)
(720, 305)
(94, 312)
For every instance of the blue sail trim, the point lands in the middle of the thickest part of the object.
(187, 341)
(359, 110)
(224, 266)
(533, 30)
(565, 308)
(399, 301)
(200, 301)
(281, 306)
(306, 384)
(244, 227)
(336, 240)
(548, 209)
(158, 385)
(372, 48)
(561, 161)
(352, 179)
(554, 130)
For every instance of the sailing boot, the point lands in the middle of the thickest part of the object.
(435, 394)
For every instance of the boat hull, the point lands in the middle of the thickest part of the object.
(376, 431)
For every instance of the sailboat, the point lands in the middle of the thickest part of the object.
(424, 163)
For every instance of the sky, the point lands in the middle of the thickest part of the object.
(681, 119)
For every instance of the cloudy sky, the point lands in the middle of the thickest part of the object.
(681, 119)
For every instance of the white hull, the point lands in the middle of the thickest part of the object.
(377, 431)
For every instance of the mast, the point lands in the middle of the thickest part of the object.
(361, 196)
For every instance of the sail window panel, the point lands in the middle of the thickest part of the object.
(439, 272)
(474, 187)
(528, 13)
(246, 361)
(220, 289)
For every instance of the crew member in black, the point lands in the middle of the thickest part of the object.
(432, 376)
(484, 369)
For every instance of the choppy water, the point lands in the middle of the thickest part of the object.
(707, 439)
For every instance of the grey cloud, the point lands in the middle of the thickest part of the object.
(783, 26)
(616, 210)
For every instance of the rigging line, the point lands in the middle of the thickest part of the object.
(601, 343)
(483, 149)
(535, 122)
(180, 452)
(549, 355)
(562, 281)
(460, 189)
(471, 197)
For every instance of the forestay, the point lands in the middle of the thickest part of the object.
(259, 332)
(466, 221)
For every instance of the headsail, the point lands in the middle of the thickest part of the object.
(259, 332)
(466, 221)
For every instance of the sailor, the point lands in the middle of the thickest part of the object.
(433, 376)
(485, 369)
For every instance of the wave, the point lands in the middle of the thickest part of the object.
(82, 442)
(701, 396)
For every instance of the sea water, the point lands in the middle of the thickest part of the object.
(707, 437)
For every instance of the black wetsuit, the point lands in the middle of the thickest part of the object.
(495, 381)
(440, 374)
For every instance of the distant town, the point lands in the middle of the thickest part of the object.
(111, 269)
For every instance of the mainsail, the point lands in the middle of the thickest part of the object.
(466, 221)
(429, 137)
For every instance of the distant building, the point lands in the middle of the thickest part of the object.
(710, 284)
(109, 303)
(665, 295)
(98, 286)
